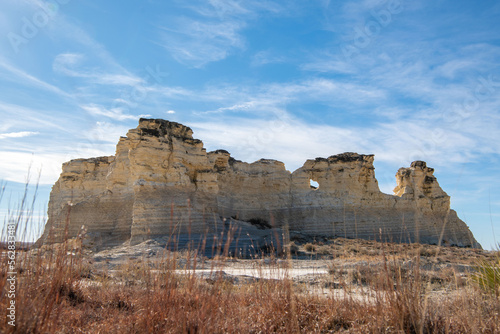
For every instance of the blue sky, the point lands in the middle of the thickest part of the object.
(400, 79)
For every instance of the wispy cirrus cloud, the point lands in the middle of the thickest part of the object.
(47, 163)
(20, 134)
(114, 113)
(226, 9)
(71, 64)
(265, 57)
(268, 96)
(14, 74)
(197, 43)
(293, 140)
(329, 65)
(17, 116)
(245, 106)
(213, 32)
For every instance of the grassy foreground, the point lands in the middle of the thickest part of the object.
(62, 289)
(369, 287)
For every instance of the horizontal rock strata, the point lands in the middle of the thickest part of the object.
(162, 183)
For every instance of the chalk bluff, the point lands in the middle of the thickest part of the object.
(161, 183)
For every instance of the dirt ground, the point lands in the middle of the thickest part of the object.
(343, 267)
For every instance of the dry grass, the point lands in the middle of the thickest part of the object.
(60, 290)
(487, 274)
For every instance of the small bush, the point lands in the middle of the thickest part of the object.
(294, 249)
(310, 247)
(324, 250)
(427, 251)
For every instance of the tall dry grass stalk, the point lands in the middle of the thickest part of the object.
(60, 289)
(487, 275)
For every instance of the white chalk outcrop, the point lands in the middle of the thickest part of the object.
(162, 183)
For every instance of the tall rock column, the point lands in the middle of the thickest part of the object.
(431, 219)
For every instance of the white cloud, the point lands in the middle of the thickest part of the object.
(22, 77)
(170, 112)
(265, 99)
(267, 57)
(114, 113)
(214, 33)
(395, 142)
(19, 116)
(118, 79)
(94, 51)
(220, 8)
(71, 64)
(17, 134)
(244, 107)
(329, 65)
(225, 9)
(105, 132)
(289, 141)
(14, 166)
(450, 68)
(65, 62)
(197, 43)
(172, 92)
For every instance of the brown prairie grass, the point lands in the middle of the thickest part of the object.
(60, 290)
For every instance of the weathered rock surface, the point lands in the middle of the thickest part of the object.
(162, 183)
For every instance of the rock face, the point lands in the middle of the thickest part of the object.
(162, 183)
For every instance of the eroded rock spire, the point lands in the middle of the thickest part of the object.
(162, 181)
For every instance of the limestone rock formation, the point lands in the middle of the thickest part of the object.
(162, 183)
